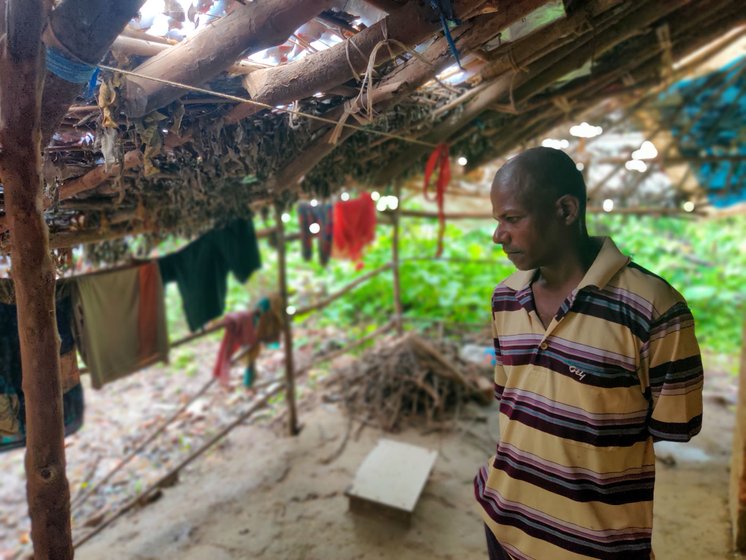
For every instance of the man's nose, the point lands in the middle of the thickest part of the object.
(499, 237)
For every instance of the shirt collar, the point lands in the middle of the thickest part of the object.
(608, 262)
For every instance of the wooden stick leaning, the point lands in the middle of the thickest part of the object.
(261, 402)
(349, 287)
(324, 358)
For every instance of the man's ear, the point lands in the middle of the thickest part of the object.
(568, 208)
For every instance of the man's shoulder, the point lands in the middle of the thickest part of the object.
(647, 285)
(511, 284)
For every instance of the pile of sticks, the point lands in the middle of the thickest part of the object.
(407, 378)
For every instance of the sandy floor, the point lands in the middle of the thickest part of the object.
(269, 496)
(262, 494)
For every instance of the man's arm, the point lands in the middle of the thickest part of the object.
(675, 376)
(500, 377)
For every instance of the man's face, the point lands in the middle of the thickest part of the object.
(527, 229)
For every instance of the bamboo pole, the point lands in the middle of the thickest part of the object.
(641, 211)
(348, 288)
(287, 332)
(398, 310)
(21, 85)
(675, 160)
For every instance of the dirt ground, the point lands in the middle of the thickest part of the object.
(265, 495)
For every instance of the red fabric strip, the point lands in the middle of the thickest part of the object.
(439, 159)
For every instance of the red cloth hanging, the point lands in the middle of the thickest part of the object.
(354, 227)
(151, 288)
(438, 159)
(239, 331)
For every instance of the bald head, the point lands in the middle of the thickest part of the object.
(543, 175)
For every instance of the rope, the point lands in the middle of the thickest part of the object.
(266, 106)
(364, 105)
(349, 42)
(514, 63)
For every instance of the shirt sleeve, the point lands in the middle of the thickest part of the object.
(500, 376)
(675, 376)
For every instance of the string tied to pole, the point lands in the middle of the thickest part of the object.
(439, 159)
(67, 68)
(444, 9)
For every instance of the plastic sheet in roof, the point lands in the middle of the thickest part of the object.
(720, 131)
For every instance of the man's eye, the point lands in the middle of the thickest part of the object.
(511, 219)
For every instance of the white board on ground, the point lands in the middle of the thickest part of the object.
(393, 474)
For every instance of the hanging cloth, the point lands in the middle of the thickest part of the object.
(439, 160)
(249, 328)
(12, 402)
(354, 226)
(239, 331)
(201, 269)
(320, 214)
(120, 318)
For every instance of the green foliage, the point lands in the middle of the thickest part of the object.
(704, 259)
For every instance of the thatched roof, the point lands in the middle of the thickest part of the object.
(193, 158)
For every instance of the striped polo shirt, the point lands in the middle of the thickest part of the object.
(581, 403)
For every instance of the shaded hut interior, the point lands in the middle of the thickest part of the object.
(165, 120)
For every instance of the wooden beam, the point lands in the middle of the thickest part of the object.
(249, 28)
(344, 290)
(98, 175)
(537, 76)
(636, 211)
(84, 31)
(320, 71)
(124, 45)
(21, 83)
(387, 6)
(404, 80)
(676, 160)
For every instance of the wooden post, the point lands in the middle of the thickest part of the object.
(738, 460)
(398, 313)
(286, 329)
(21, 82)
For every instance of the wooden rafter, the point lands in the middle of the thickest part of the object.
(248, 28)
(321, 71)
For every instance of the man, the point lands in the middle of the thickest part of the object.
(596, 359)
